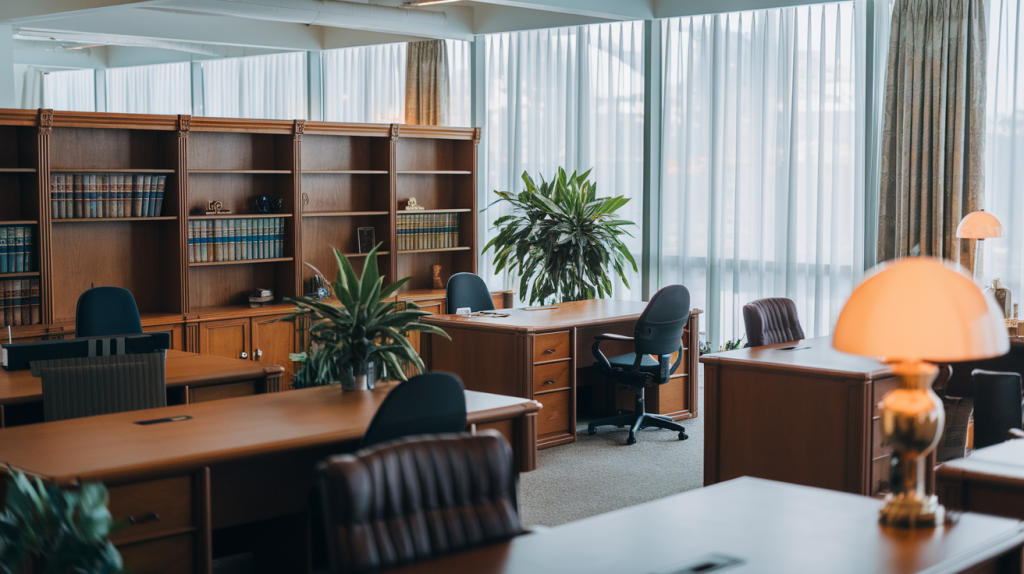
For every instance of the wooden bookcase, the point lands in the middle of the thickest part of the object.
(333, 179)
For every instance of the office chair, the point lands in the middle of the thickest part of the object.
(417, 498)
(997, 406)
(467, 290)
(430, 403)
(658, 332)
(89, 386)
(771, 321)
(104, 311)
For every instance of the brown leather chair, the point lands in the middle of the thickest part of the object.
(417, 498)
(771, 321)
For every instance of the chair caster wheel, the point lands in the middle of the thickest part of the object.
(683, 436)
(591, 431)
(631, 439)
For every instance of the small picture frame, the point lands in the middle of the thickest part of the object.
(366, 239)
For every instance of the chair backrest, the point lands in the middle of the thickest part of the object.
(88, 386)
(771, 321)
(467, 290)
(417, 498)
(431, 403)
(659, 330)
(997, 406)
(107, 311)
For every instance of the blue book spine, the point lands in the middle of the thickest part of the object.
(19, 250)
(191, 241)
(280, 236)
(204, 241)
(30, 249)
(3, 250)
(93, 196)
(147, 192)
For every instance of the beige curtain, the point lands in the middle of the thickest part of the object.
(933, 142)
(426, 83)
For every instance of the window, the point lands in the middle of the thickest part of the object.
(72, 90)
(268, 87)
(159, 89)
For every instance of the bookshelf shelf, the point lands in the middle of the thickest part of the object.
(344, 213)
(17, 170)
(241, 216)
(240, 171)
(107, 170)
(434, 172)
(4, 223)
(114, 219)
(241, 262)
(22, 274)
(346, 171)
(438, 250)
(414, 212)
(365, 254)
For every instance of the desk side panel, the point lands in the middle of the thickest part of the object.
(486, 361)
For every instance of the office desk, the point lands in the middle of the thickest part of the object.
(536, 354)
(990, 480)
(804, 416)
(772, 527)
(191, 378)
(234, 463)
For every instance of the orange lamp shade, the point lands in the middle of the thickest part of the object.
(921, 308)
(979, 225)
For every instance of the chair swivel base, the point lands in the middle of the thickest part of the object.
(636, 422)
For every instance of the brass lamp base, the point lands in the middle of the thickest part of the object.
(906, 510)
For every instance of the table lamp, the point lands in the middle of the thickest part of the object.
(979, 225)
(908, 314)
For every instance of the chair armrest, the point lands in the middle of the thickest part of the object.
(612, 337)
(1016, 433)
(596, 350)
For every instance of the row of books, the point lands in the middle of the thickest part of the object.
(17, 249)
(20, 303)
(108, 195)
(427, 231)
(235, 239)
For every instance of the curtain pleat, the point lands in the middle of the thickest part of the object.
(71, 90)
(265, 87)
(365, 84)
(157, 89)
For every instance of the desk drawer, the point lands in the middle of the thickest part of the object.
(551, 376)
(157, 507)
(218, 392)
(880, 475)
(879, 389)
(551, 346)
(879, 446)
(172, 555)
(556, 416)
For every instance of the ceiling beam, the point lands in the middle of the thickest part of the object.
(606, 9)
(20, 11)
(678, 8)
(499, 19)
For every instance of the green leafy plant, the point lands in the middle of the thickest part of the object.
(732, 345)
(57, 531)
(365, 334)
(562, 239)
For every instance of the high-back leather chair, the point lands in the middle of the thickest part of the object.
(997, 406)
(467, 290)
(771, 321)
(107, 311)
(88, 386)
(430, 403)
(417, 498)
(658, 332)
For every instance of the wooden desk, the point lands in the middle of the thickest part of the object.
(772, 527)
(191, 378)
(234, 463)
(804, 416)
(990, 480)
(536, 355)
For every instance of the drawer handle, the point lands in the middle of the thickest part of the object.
(549, 352)
(549, 382)
(145, 518)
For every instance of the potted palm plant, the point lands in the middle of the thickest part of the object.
(562, 239)
(363, 337)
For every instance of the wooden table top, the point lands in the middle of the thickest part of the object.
(563, 316)
(183, 369)
(1001, 463)
(773, 527)
(113, 447)
(813, 356)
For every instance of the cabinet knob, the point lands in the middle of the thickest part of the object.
(549, 382)
(549, 351)
(244, 355)
(259, 354)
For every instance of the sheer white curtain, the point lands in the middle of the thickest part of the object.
(71, 90)
(459, 80)
(365, 84)
(157, 89)
(759, 163)
(266, 87)
(572, 98)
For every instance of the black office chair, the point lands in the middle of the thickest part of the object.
(771, 321)
(997, 406)
(107, 311)
(89, 386)
(431, 403)
(467, 290)
(659, 332)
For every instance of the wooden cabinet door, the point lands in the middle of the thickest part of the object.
(272, 342)
(434, 307)
(177, 333)
(228, 338)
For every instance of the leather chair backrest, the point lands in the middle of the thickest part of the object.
(997, 406)
(467, 290)
(430, 403)
(90, 386)
(417, 498)
(659, 330)
(107, 311)
(771, 321)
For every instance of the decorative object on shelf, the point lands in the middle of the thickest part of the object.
(366, 240)
(979, 225)
(412, 205)
(305, 199)
(437, 277)
(365, 338)
(562, 239)
(44, 528)
(266, 204)
(903, 313)
(260, 297)
(320, 287)
(1004, 298)
(215, 207)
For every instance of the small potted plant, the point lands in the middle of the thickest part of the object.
(363, 339)
(49, 530)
